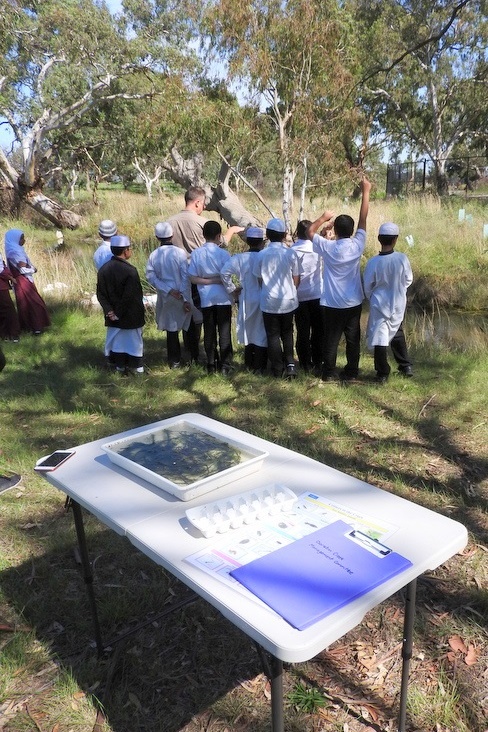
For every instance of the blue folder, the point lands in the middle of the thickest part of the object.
(318, 574)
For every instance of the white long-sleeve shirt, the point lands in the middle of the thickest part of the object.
(386, 279)
(166, 270)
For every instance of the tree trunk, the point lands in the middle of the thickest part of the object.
(303, 188)
(288, 186)
(9, 201)
(146, 177)
(33, 196)
(226, 203)
(75, 174)
(51, 210)
(441, 179)
(220, 198)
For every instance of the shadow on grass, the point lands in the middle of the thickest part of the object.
(178, 667)
(157, 679)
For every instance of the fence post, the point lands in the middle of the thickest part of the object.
(423, 175)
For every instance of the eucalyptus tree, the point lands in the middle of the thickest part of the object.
(293, 56)
(59, 59)
(203, 138)
(427, 73)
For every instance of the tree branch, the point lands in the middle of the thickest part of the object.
(246, 182)
(431, 39)
(419, 140)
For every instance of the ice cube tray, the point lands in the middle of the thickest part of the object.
(231, 513)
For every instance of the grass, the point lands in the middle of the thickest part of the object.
(424, 439)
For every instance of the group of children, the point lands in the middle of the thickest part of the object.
(314, 285)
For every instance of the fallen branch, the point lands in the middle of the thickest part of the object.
(14, 628)
(426, 405)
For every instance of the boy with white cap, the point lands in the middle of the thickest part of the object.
(106, 230)
(278, 270)
(167, 271)
(250, 326)
(386, 279)
(119, 292)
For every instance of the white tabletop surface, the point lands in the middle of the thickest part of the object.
(155, 522)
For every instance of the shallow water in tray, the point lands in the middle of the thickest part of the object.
(182, 454)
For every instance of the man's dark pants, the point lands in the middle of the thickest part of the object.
(338, 322)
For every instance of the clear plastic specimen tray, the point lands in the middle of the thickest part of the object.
(185, 459)
(231, 513)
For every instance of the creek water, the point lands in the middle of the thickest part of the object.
(463, 331)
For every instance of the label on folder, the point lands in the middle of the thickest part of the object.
(314, 576)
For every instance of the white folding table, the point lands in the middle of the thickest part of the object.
(155, 522)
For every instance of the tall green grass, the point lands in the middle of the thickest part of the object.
(423, 438)
(449, 258)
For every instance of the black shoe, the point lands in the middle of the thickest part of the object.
(407, 371)
(381, 379)
(210, 368)
(328, 378)
(290, 371)
(225, 370)
(175, 365)
(344, 376)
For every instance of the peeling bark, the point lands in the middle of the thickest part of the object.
(53, 211)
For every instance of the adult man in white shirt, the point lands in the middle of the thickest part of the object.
(278, 270)
(167, 271)
(342, 293)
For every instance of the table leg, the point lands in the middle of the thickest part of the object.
(87, 571)
(277, 722)
(407, 650)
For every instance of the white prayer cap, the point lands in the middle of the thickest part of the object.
(107, 228)
(388, 229)
(163, 230)
(277, 225)
(254, 232)
(120, 242)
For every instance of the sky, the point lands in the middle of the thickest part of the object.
(114, 6)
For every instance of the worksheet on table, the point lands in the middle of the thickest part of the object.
(309, 513)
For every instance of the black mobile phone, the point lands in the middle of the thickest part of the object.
(53, 461)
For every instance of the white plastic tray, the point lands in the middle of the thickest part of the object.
(231, 513)
(251, 458)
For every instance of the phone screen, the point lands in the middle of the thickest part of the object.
(52, 461)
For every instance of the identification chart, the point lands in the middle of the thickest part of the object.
(309, 513)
